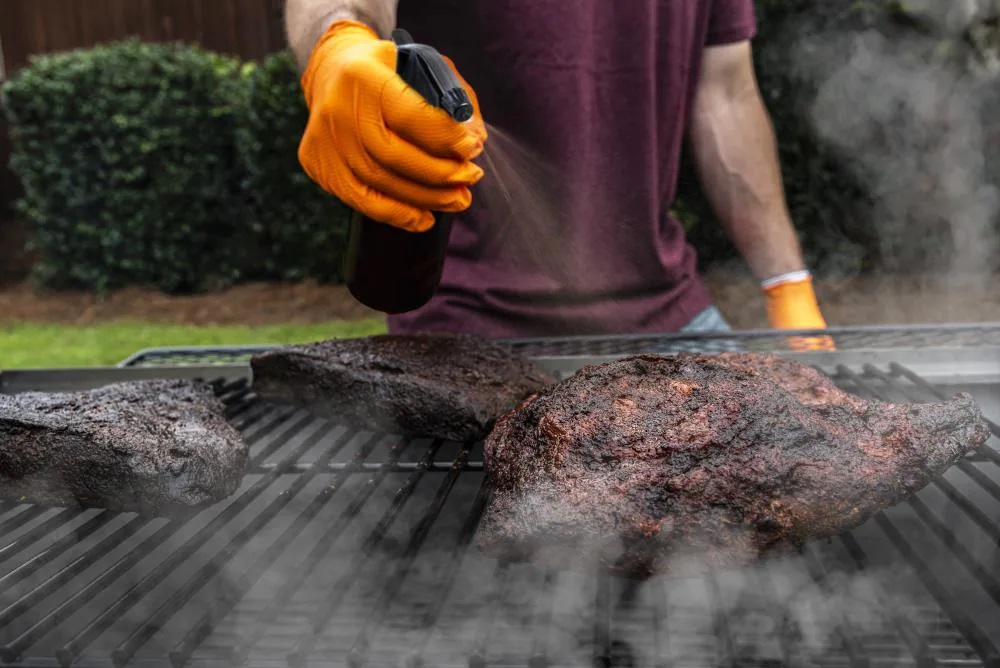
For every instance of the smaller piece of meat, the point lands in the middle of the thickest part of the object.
(446, 386)
(157, 447)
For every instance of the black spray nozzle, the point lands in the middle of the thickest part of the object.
(423, 68)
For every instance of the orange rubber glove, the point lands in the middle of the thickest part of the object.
(791, 304)
(375, 143)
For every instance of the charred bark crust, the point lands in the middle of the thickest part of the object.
(438, 385)
(656, 464)
(157, 447)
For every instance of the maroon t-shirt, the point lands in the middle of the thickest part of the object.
(602, 90)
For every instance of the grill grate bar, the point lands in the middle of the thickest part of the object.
(23, 541)
(854, 649)
(983, 481)
(254, 427)
(947, 538)
(723, 631)
(127, 649)
(12, 651)
(904, 628)
(358, 652)
(22, 518)
(65, 574)
(231, 392)
(318, 621)
(236, 397)
(277, 443)
(989, 582)
(241, 413)
(964, 465)
(238, 589)
(898, 369)
(784, 642)
(543, 620)
(602, 621)
(480, 653)
(251, 412)
(454, 563)
(975, 514)
(90, 632)
(662, 657)
(983, 645)
(372, 467)
(249, 639)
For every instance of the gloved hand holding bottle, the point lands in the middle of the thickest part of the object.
(375, 143)
(792, 304)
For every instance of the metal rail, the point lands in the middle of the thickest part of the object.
(848, 339)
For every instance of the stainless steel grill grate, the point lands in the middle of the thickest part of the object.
(352, 548)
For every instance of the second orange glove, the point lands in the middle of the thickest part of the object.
(791, 304)
(377, 144)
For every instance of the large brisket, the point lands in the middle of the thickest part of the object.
(155, 447)
(657, 464)
(439, 385)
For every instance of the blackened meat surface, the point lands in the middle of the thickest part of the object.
(154, 447)
(681, 464)
(439, 385)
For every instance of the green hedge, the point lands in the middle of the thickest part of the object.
(170, 166)
(128, 166)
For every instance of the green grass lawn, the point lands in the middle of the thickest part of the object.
(25, 346)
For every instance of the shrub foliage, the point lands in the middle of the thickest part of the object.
(127, 160)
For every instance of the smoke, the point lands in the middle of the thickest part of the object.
(524, 199)
(908, 118)
(775, 610)
(562, 606)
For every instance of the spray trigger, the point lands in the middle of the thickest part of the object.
(423, 68)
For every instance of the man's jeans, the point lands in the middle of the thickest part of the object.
(709, 320)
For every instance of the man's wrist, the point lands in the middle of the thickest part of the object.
(789, 277)
(307, 22)
(357, 15)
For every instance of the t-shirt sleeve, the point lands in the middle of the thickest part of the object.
(731, 21)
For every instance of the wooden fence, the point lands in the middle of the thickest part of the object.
(250, 29)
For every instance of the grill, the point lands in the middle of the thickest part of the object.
(352, 548)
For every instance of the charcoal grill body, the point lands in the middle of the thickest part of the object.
(345, 548)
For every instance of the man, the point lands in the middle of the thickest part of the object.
(606, 92)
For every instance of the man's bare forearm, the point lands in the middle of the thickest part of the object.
(736, 157)
(307, 20)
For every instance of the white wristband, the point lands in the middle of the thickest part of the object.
(790, 277)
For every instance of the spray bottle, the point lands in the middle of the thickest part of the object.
(386, 268)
